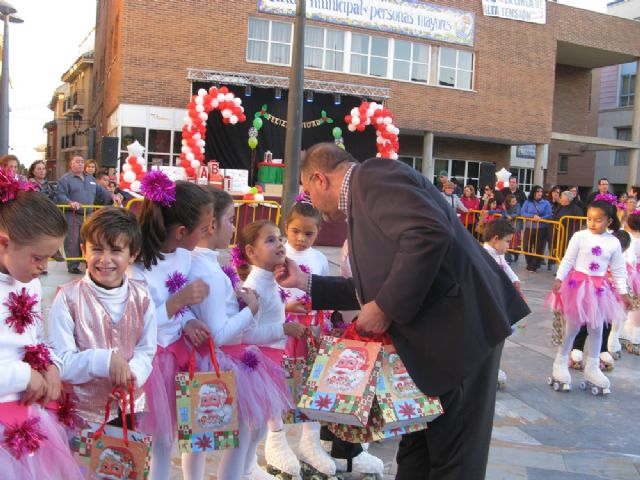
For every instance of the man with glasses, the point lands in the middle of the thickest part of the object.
(420, 277)
(603, 187)
(513, 189)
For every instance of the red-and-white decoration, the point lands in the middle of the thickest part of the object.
(195, 123)
(502, 178)
(134, 168)
(372, 113)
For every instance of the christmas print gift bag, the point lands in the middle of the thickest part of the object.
(296, 371)
(342, 381)
(207, 408)
(113, 452)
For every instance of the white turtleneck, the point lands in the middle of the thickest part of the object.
(269, 328)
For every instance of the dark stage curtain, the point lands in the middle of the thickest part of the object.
(228, 143)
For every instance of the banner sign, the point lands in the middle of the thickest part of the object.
(532, 11)
(405, 17)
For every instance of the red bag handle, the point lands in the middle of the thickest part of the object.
(214, 360)
(350, 333)
(120, 396)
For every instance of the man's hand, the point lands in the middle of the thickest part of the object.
(197, 331)
(54, 385)
(119, 371)
(36, 389)
(289, 275)
(372, 320)
(75, 205)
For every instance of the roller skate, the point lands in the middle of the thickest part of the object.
(282, 463)
(630, 337)
(256, 472)
(613, 342)
(606, 362)
(560, 379)
(594, 378)
(575, 359)
(502, 379)
(315, 462)
(368, 466)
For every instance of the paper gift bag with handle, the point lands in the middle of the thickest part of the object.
(296, 371)
(207, 406)
(342, 381)
(106, 451)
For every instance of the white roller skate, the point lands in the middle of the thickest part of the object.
(257, 472)
(368, 466)
(502, 379)
(594, 378)
(282, 463)
(606, 361)
(630, 337)
(575, 359)
(315, 462)
(613, 342)
(560, 379)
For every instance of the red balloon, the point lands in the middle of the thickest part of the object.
(347, 119)
(124, 185)
(137, 168)
(224, 90)
(185, 163)
(190, 172)
(191, 105)
(132, 161)
(140, 175)
(213, 91)
(360, 127)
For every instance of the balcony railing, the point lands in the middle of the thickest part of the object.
(74, 103)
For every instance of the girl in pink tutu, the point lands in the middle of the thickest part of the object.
(173, 218)
(587, 296)
(262, 347)
(227, 321)
(33, 445)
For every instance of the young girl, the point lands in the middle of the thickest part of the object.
(32, 443)
(587, 297)
(173, 219)
(302, 226)
(227, 322)
(630, 332)
(262, 246)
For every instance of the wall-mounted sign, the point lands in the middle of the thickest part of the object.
(405, 17)
(532, 11)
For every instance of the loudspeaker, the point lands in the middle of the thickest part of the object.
(109, 152)
(487, 175)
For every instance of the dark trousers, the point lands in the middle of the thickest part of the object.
(535, 241)
(456, 444)
(578, 343)
(72, 239)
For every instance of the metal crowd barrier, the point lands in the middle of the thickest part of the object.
(246, 211)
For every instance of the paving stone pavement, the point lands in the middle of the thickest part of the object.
(538, 434)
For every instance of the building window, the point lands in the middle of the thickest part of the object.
(324, 48)
(410, 61)
(269, 41)
(563, 164)
(455, 68)
(622, 156)
(413, 162)
(627, 84)
(164, 146)
(359, 54)
(464, 172)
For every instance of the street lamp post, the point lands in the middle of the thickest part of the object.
(7, 11)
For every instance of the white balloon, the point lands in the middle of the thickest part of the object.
(191, 156)
(367, 121)
(220, 97)
(199, 101)
(141, 161)
(200, 143)
(380, 140)
(370, 112)
(396, 130)
(129, 176)
(388, 120)
(188, 121)
(379, 120)
(393, 156)
(351, 127)
(185, 149)
(233, 119)
(203, 116)
(237, 101)
(226, 113)
(379, 155)
(195, 163)
(135, 185)
(126, 168)
(259, 197)
(199, 108)
(214, 104)
(390, 128)
(246, 189)
(229, 97)
(202, 92)
(355, 112)
(355, 121)
(197, 136)
(183, 142)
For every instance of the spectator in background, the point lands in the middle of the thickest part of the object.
(623, 213)
(576, 199)
(603, 187)
(568, 208)
(471, 202)
(457, 189)
(453, 199)
(512, 212)
(11, 164)
(76, 188)
(535, 233)
(443, 178)
(554, 198)
(633, 192)
(513, 189)
(38, 176)
(488, 193)
(90, 167)
(622, 197)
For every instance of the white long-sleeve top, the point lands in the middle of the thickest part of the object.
(630, 256)
(635, 246)
(16, 373)
(314, 259)
(220, 309)
(502, 262)
(169, 329)
(79, 367)
(592, 254)
(269, 327)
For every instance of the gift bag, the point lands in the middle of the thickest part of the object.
(342, 381)
(296, 371)
(105, 451)
(207, 408)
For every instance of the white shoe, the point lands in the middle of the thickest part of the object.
(606, 360)
(278, 453)
(613, 343)
(502, 378)
(560, 370)
(366, 463)
(594, 375)
(630, 332)
(576, 359)
(311, 451)
(258, 473)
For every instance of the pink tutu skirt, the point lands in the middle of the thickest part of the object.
(633, 276)
(587, 300)
(52, 460)
(262, 391)
(161, 421)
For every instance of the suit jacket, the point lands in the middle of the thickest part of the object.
(449, 302)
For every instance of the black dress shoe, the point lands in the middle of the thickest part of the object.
(75, 271)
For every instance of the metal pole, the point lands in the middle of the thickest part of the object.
(4, 91)
(293, 139)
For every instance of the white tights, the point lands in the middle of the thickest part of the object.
(236, 462)
(591, 344)
(160, 459)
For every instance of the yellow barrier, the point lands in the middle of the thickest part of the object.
(246, 211)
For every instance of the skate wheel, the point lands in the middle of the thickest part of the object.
(616, 355)
(595, 391)
(583, 385)
(549, 381)
(556, 386)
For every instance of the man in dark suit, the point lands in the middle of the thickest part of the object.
(422, 278)
(512, 189)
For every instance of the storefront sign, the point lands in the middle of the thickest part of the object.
(532, 11)
(405, 17)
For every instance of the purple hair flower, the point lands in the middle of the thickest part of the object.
(158, 188)
(232, 274)
(636, 212)
(302, 198)
(250, 360)
(597, 250)
(237, 257)
(304, 268)
(175, 282)
(606, 197)
(572, 283)
(594, 266)
(10, 186)
(284, 295)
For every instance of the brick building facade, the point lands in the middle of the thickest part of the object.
(518, 83)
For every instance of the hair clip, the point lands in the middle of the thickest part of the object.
(10, 186)
(610, 198)
(158, 187)
(303, 198)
